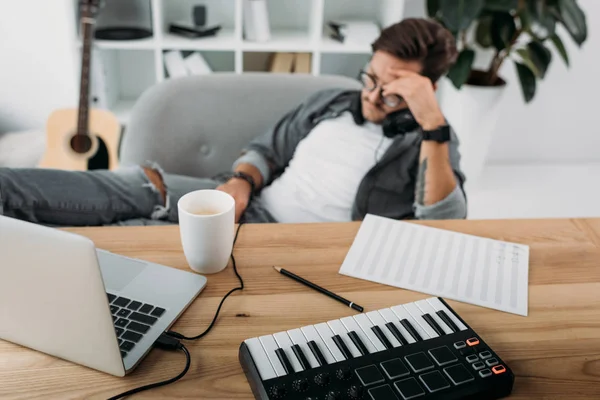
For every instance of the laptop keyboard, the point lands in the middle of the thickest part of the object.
(132, 320)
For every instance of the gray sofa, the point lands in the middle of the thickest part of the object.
(197, 125)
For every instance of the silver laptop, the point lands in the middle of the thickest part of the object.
(61, 296)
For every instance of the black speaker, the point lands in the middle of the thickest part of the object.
(200, 15)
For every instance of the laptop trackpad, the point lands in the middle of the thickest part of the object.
(117, 271)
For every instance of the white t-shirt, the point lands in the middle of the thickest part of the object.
(322, 179)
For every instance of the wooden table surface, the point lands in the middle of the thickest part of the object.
(554, 352)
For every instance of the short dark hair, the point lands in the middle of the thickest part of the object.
(423, 40)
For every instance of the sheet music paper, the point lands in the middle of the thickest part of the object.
(457, 266)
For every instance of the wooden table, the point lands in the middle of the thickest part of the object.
(554, 352)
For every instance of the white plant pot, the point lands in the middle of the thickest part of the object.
(472, 112)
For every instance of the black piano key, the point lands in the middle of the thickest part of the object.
(436, 327)
(314, 347)
(337, 339)
(358, 343)
(442, 314)
(284, 361)
(301, 357)
(397, 334)
(381, 336)
(411, 330)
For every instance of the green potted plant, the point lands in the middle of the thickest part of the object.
(522, 32)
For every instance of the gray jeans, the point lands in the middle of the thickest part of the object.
(95, 198)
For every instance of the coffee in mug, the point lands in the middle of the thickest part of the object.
(206, 226)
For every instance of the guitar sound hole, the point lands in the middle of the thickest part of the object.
(81, 143)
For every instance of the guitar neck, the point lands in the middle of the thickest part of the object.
(87, 27)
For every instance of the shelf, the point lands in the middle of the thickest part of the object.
(283, 40)
(329, 45)
(224, 40)
(141, 44)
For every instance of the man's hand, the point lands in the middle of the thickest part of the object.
(419, 94)
(240, 190)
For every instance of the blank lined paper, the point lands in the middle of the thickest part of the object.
(467, 268)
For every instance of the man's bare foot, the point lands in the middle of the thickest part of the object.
(157, 181)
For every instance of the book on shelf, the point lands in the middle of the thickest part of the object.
(302, 63)
(197, 65)
(256, 21)
(175, 64)
(281, 62)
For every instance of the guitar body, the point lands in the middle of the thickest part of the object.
(104, 132)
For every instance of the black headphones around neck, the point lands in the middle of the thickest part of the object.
(397, 123)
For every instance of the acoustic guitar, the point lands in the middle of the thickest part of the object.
(83, 139)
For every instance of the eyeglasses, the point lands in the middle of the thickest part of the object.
(369, 82)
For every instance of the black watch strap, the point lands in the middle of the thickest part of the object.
(247, 178)
(440, 135)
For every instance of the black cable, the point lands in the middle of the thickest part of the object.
(165, 342)
(241, 287)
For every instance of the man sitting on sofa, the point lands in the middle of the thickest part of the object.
(341, 154)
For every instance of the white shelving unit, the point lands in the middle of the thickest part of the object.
(297, 26)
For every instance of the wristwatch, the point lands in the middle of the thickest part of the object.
(247, 178)
(440, 135)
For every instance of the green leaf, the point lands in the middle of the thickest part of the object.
(526, 19)
(457, 15)
(460, 71)
(526, 57)
(528, 82)
(483, 35)
(433, 6)
(543, 12)
(558, 43)
(573, 18)
(540, 56)
(503, 30)
(501, 5)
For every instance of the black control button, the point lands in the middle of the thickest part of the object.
(484, 373)
(383, 392)
(278, 392)
(121, 302)
(146, 308)
(394, 368)
(111, 297)
(158, 312)
(356, 392)
(442, 355)
(343, 374)
(134, 305)
(485, 354)
(458, 374)
(127, 346)
(334, 395)
(144, 319)
(460, 345)
(467, 351)
(119, 331)
(472, 358)
(369, 375)
(121, 323)
(419, 362)
(409, 388)
(322, 379)
(123, 354)
(131, 336)
(123, 313)
(478, 365)
(114, 310)
(300, 385)
(140, 328)
(434, 381)
(491, 362)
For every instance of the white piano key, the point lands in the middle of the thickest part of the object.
(390, 316)
(339, 329)
(403, 313)
(285, 343)
(261, 359)
(439, 306)
(417, 314)
(351, 324)
(270, 345)
(426, 308)
(298, 338)
(365, 323)
(311, 334)
(378, 320)
(327, 334)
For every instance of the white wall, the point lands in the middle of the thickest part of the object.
(38, 62)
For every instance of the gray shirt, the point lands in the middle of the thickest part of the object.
(388, 189)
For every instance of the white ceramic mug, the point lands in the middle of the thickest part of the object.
(206, 226)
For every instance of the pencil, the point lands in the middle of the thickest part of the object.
(318, 288)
